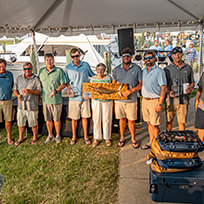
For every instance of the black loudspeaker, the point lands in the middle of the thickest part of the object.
(125, 39)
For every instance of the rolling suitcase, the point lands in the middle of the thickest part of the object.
(180, 141)
(183, 187)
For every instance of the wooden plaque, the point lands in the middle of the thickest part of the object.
(104, 91)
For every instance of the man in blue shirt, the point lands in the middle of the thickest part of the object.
(169, 49)
(156, 47)
(6, 85)
(77, 73)
(154, 88)
(131, 74)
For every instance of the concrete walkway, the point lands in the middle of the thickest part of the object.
(134, 172)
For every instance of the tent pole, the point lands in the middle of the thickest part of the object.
(35, 50)
(201, 50)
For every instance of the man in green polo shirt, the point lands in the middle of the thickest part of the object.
(53, 81)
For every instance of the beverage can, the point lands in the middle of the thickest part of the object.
(185, 86)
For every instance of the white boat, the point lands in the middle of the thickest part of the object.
(89, 46)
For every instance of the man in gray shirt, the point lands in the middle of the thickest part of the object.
(180, 83)
(131, 74)
(27, 88)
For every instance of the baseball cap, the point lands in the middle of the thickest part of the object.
(177, 49)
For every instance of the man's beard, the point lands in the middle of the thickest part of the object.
(127, 63)
(149, 64)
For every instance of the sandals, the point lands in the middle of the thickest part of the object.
(135, 145)
(18, 142)
(87, 142)
(146, 146)
(34, 142)
(121, 143)
(108, 143)
(10, 142)
(73, 142)
(95, 143)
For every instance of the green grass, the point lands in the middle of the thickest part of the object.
(58, 173)
(193, 94)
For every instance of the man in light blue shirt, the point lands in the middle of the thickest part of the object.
(77, 73)
(169, 49)
(6, 85)
(156, 47)
(154, 87)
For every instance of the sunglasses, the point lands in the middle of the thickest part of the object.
(27, 68)
(126, 56)
(150, 57)
(74, 56)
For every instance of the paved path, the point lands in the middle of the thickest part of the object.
(134, 172)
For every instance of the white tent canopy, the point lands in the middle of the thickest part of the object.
(72, 17)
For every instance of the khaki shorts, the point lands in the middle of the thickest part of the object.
(52, 111)
(6, 110)
(79, 109)
(148, 111)
(25, 115)
(180, 111)
(126, 110)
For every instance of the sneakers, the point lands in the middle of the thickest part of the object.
(49, 139)
(58, 139)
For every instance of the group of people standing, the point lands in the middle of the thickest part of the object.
(190, 52)
(171, 85)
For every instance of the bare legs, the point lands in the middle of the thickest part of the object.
(85, 129)
(131, 126)
(169, 126)
(8, 130)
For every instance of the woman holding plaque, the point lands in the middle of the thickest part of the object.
(102, 110)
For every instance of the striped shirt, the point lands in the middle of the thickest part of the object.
(191, 56)
(106, 79)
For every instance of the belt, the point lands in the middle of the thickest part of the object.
(3, 100)
(151, 98)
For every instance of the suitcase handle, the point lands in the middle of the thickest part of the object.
(153, 188)
(182, 184)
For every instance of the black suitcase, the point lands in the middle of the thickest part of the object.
(183, 187)
(180, 141)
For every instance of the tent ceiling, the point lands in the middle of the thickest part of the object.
(94, 16)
